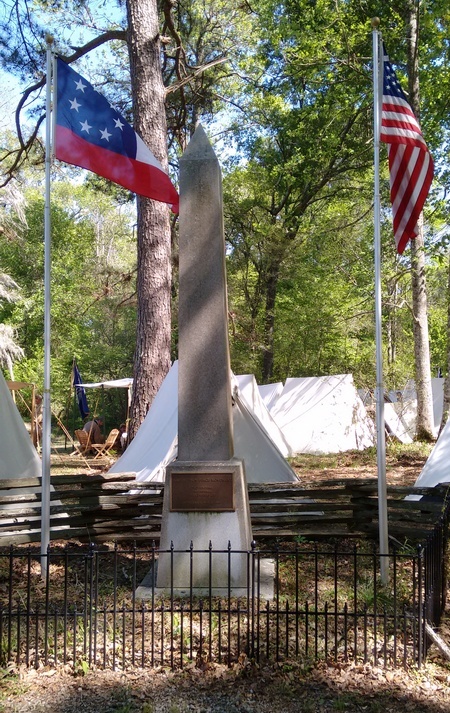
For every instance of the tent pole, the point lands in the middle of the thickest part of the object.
(34, 435)
(104, 429)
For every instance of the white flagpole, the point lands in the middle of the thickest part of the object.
(47, 414)
(379, 391)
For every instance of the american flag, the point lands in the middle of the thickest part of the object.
(410, 162)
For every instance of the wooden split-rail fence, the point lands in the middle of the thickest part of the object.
(115, 507)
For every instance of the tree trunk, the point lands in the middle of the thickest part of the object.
(269, 321)
(152, 356)
(391, 326)
(425, 422)
(446, 406)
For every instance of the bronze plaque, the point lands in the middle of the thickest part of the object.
(201, 492)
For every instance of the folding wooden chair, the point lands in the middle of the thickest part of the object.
(104, 449)
(85, 446)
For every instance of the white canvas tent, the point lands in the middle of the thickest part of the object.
(407, 412)
(395, 424)
(406, 406)
(323, 414)
(125, 383)
(250, 394)
(270, 393)
(156, 442)
(437, 467)
(18, 456)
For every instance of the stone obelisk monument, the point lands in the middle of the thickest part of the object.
(205, 494)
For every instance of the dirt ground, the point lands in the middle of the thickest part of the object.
(242, 689)
(297, 687)
(403, 464)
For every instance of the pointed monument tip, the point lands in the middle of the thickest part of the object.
(199, 147)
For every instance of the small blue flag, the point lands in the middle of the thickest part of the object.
(80, 392)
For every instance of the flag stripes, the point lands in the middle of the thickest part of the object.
(91, 134)
(410, 162)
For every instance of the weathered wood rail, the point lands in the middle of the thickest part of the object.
(115, 507)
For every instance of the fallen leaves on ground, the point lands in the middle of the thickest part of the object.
(244, 688)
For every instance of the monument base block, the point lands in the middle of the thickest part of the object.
(206, 504)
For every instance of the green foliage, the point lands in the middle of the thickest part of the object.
(288, 89)
(148, 708)
(206, 34)
(92, 289)
(81, 668)
(306, 179)
(299, 208)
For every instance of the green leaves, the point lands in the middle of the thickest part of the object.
(92, 286)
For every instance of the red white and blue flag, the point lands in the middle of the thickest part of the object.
(410, 162)
(89, 133)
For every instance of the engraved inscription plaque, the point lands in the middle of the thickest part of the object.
(201, 492)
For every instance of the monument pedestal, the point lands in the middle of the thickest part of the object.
(206, 529)
(206, 504)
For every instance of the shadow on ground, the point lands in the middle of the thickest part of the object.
(246, 688)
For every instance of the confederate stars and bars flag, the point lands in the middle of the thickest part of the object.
(410, 162)
(89, 133)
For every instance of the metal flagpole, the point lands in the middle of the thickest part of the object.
(46, 421)
(379, 391)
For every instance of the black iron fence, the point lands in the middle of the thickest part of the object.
(104, 607)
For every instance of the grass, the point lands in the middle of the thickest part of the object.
(332, 576)
(396, 453)
(10, 684)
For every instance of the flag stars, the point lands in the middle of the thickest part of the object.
(391, 80)
(80, 86)
(104, 133)
(91, 134)
(85, 126)
(74, 105)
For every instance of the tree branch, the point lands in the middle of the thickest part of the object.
(25, 145)
(188, 78)
(96, 42)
